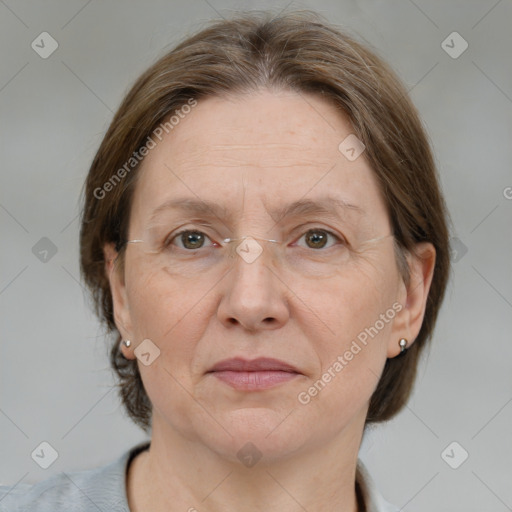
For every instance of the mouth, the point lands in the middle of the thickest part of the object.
(255, 375)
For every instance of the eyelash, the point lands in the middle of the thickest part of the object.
(169, 240)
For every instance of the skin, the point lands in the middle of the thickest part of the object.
(251, 153)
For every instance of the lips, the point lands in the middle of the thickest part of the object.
(256, 365)
(256, 375)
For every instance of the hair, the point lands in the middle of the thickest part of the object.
(297, 52)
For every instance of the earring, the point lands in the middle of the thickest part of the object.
(403, 345)
(127, 343)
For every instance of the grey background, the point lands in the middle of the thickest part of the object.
(56, 385)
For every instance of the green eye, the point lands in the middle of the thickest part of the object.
(189, 239)
(192, 239)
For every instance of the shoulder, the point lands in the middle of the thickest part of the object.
(102, 488)
(373, 499)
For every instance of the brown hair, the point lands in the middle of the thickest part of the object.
(298, 52)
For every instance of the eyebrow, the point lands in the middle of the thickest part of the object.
(327, 205)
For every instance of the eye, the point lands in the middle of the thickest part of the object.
(190, 239)
(317, 238)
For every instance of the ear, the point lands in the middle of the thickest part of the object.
(115, 274)
(413, 297)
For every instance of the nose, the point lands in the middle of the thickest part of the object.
(254, 295)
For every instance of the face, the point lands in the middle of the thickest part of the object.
(251, 155)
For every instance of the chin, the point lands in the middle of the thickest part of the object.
(256, 433)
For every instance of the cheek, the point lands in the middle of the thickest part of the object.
(161, 306)
(350, 336)
(173, 314)
(349, 303)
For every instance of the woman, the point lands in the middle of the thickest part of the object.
(264, 234)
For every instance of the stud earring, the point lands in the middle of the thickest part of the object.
(403, 345)
(127, 343)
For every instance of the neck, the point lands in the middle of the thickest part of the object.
(181, 474)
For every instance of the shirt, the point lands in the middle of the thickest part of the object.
(103, 489)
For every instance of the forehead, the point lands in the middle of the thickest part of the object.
(264, 129)
(263, 149)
